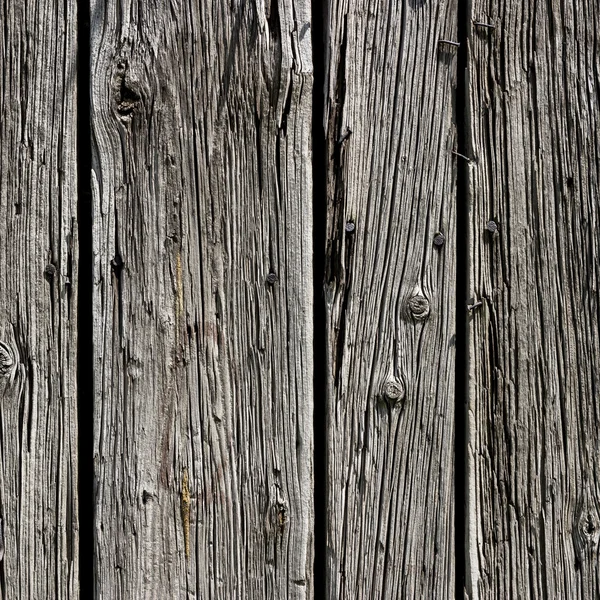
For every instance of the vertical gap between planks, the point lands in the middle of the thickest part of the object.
(85, 385)
(462, 323)
(319, 339)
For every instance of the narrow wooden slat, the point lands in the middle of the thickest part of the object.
(390, 295)
(203, 299)
(534, 500)
(38, 307)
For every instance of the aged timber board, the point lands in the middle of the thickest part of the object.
(534, 448)
(38, 301)
(202, 192)
(390, 296)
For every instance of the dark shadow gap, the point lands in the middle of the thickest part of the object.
(85, 367)
(319, 336)
(462, 292)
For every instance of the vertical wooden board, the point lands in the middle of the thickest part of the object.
(38, 307)
(203, 294)
(534, 499)
(390, 297)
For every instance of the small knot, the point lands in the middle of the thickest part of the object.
(586, 533)
(279, 515)
(350, 227)
(7, 361)
(393, 390)
(418, 306)
(127, 98)
(272, 278)
(439, 239)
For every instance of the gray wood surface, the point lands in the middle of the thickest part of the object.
(38, 306)
(390, 295)
(202, 185)
(534, 494)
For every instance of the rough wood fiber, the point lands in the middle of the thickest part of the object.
(38, 309)
(390, 296)
(534, 500)
(203, 299)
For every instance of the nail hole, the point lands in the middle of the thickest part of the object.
(492, 226)
(49, 272)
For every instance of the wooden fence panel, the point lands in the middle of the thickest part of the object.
(534, 493)
(38, 304)
(202, 185)
(390, 297)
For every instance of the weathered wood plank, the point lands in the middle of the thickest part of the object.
(390, 295)
(38, 308)
(203, 294)
(534, 500)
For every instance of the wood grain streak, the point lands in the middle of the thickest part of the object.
(201, 119)
(534, 500)
(38, 304)
(390, 296)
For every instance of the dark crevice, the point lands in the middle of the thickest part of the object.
(462, 300)
(85, 386)
(319, 16)
(31, 385)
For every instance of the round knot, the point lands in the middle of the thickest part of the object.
(419, 307)
(6, 360)
(271, 278)
(439, 239)
(393, 390)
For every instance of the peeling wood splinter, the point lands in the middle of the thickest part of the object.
(461, 155)
(345, 136)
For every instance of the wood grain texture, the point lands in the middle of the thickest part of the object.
(534, 501)
(38, 307)
(390, 296)
(202, 189)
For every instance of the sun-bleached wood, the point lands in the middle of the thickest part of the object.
(202, 193)
(534, 484)
(38, 306)
(390, 298)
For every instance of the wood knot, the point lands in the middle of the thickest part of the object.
(438, 239)
(282, 516)
(393, 390)
(127, 98)
(278, 513)
(272, 278)
(418, 306)
(586, 533)
(7, 360)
